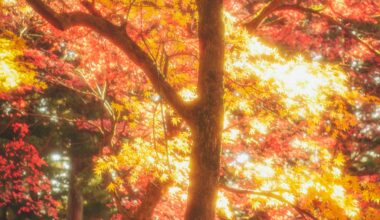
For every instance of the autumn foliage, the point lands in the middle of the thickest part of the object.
(24, 186)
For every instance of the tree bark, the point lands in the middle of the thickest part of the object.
(75, 203)
(204, 171)
(208, 123)
(155, 190)
(3, 213)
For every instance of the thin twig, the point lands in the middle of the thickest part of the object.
(270, 195)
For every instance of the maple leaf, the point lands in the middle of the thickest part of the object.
(339, 160)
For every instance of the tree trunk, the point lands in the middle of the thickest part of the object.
(75, 203)
(204, 174)
(208, 120)
(155, 190)
(3, 213)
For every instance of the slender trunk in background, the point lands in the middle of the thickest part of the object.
(75, 203)
(3, 213)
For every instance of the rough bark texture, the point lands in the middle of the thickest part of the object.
(75, 203)
(207, 127)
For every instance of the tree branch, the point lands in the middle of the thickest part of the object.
(262, 14)
(275, 5)
(333, 21)
(118, 36)
(267, 194)
(91, 8)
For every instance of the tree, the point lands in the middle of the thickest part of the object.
(25, 189)
(205, 114)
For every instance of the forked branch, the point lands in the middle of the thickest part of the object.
(118, 36)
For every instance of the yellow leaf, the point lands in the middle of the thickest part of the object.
(175, 121)
(339, 160)
(111, 187)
